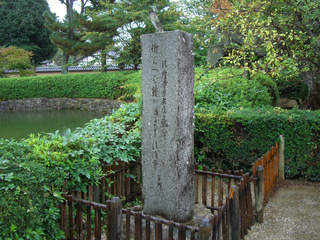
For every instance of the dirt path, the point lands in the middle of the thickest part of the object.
(292, 213)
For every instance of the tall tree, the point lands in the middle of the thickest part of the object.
(135, 14)
(280, 38)
(99, 27)
(197, 19)
(114, 27)
(65, 34)
(22, 24)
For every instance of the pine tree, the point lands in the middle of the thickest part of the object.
(135, 14)
(99, 25)
(65, 34)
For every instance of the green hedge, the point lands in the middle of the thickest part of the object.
(109, 85)
(235, 139)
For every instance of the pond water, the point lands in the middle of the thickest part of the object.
(21, 124)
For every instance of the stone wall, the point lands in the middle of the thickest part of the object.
(46, 104)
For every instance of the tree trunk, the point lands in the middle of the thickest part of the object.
(312, 80)
(103, 61)
(64, 69)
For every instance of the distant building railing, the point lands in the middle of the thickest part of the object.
(78, 69)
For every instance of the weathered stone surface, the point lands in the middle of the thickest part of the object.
(168, 125)
(47, 104)
(287, 103)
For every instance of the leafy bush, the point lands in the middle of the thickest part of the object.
(34, 170)
(13, 58)
(28, 195)
(116, 137)
(266, 81)
(99, 85)
(226, 88)
(237, 138)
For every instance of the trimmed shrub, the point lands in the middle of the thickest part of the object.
(99, 85)
(235, 139)
(226, 88)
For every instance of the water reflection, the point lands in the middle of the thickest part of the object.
(21, 124)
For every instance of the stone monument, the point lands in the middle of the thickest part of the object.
(168, 124)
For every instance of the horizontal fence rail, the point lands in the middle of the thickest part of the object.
(139, 226)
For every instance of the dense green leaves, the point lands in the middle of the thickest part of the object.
(136, 21)
(100, 85)
(22, 25)
(13, 58)
(116, 137)
(237, 138)
(226, 88)
(27, 203)
(280, 38)
(197, 20)
(34, 170)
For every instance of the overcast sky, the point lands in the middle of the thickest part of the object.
(58, 8)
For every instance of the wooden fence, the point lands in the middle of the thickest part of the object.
(212, 191)
(270, 164)
(151, 227)
(83, 219)
(245, 204)
(89, 215)
(121, 180)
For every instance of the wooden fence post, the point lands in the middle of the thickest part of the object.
(281, 159)
(137, 183)
(235, 221)
(115, 219)
(205, 228)
(96, 194)
(260, 194)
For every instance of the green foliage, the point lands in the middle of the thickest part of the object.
(28, 195)
(226, 88)
(34, 170)
(197, 20)
(266, 81)
(116, 137)
(134, 15)
(66, 34)
(98, 26)
(293, 89)
(22, 25)
(237, 138)
(100, 85)
(280, 38)
(13, 58)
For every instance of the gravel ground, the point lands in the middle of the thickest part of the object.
(292, 213)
